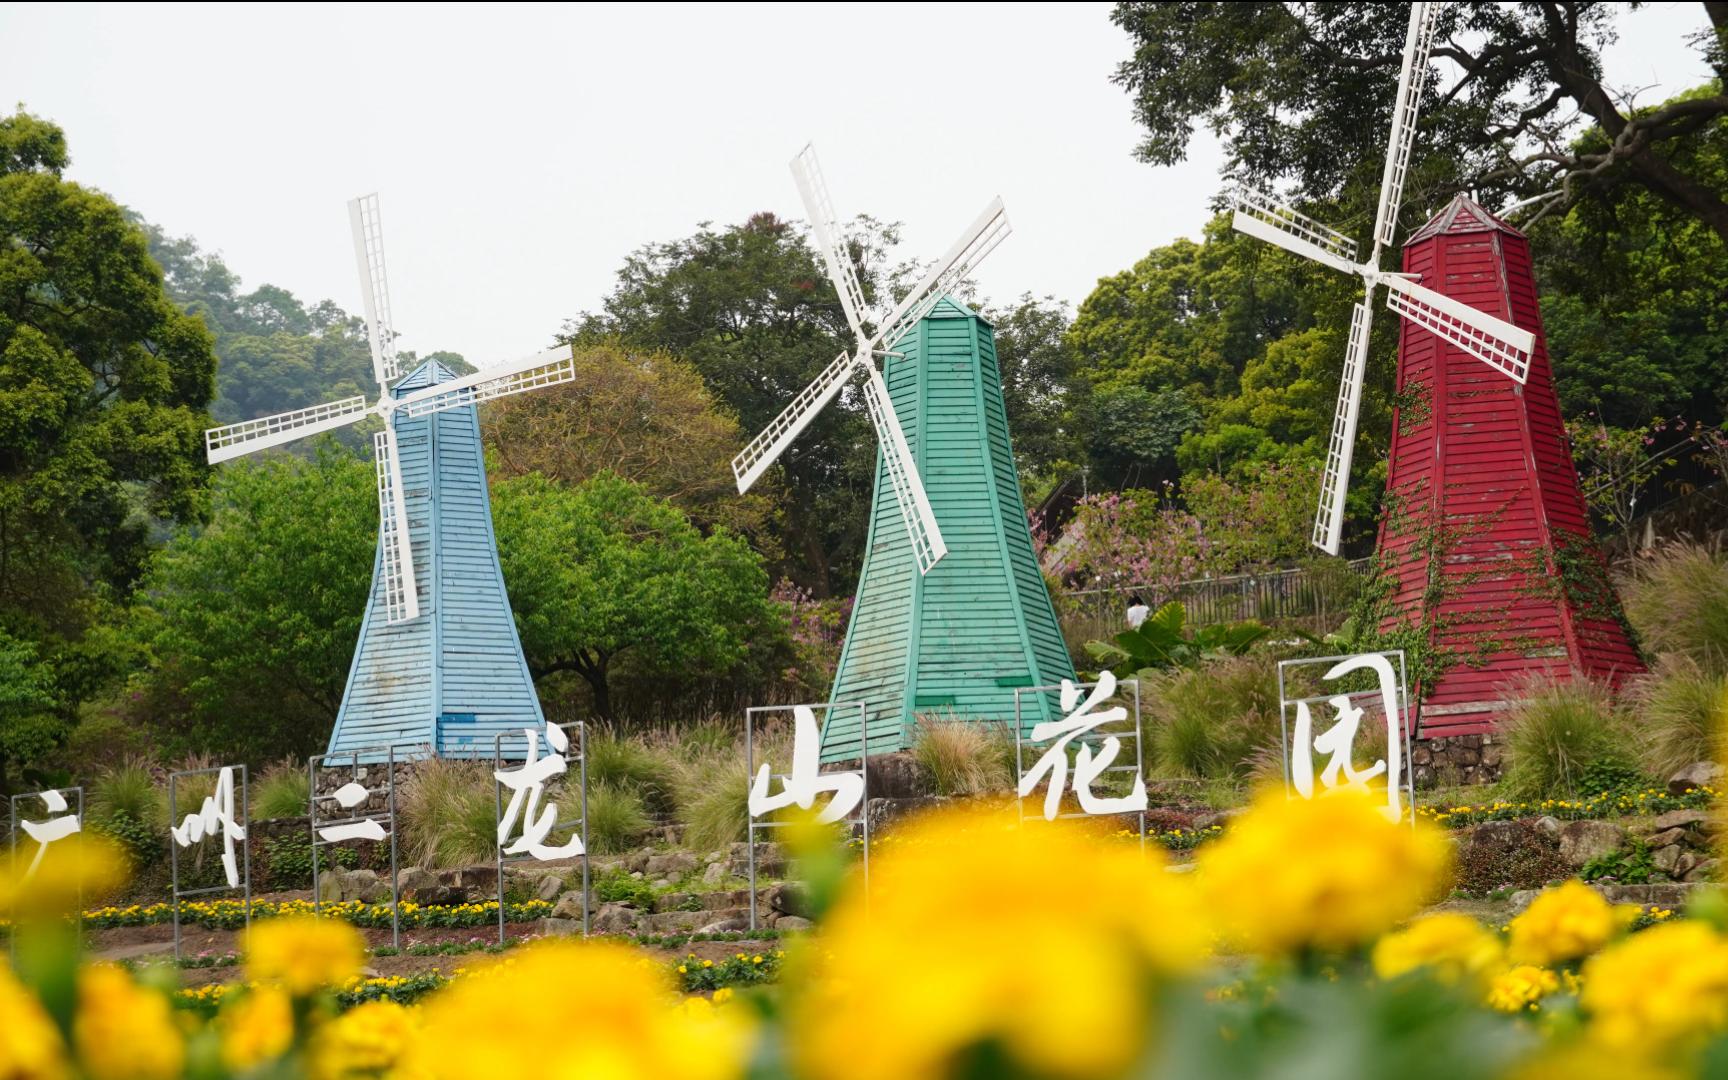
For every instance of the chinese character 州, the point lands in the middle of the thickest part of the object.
(46, 832)
(529, 784)
(807, 780)
(1087, 766)
(1338, 740)
(217, 812)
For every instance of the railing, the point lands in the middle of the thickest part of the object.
(1315, 598)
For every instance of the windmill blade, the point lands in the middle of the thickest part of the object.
(1335, 483)
(368, 230)
(233, 440)
(980, 239)
(549, 368)
(765, 448)
(813, 189)
(927, 544)
(1495, 342)
(396, 553)
(1418, 40)
(1259, 214)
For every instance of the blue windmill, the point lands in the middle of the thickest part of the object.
(438, 659)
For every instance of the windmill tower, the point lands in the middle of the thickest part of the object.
(947, 619)
(438, 660)
(1486, 541)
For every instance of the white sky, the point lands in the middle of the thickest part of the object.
(521, 153)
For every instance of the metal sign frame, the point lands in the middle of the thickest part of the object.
(1405, 720)
(498, 762)
(1095, 737)
(860, 819)
(174, 821)
(12, 844)
(387, 816)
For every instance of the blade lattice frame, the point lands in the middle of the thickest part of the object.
(755, 458)
(551, 374)
(369, 247)
(989, 230)
(232, 440)
(1341, 449)
(1263, 207)
(1413, 78)
(1461, 326)
(396, 560)
(928, 547)
(807, 171)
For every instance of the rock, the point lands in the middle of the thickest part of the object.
(479, 880)
(663, 883)
(770, 860)
(1492, 756)
(883, 812)
(673, 922)
(715, 874)
(1495, 835)
(1677, 835)
(1696, 775)
(569, 906)
(787, 898)
(1682, 819)
(1671, 896)
(1421, 755)
(1581, 841)
(670, 865)
(365, 886)
(734, 925)
(424, 887)
(636, 862)
(899, 776)
(1706, 870)
(1667, 859)
(1522, 899)
(636, 875)
(792, 922)
(558, 927)
(1688, 860)
(1549, 826)
(614, 919)
(676, 901)
(330, 886)
(549, 888)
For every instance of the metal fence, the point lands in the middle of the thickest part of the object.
(1317, 598)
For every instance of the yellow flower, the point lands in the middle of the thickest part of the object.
(564, 1008)
(303, 953)
(1562, 924)
(1518, 989)
(80, 867)
(366, 1041)
(1040, 938)
(1327, 873)
(258, 1027)
(123, 1031)
(1453, 944)
(30, 1045)
(1663, 984)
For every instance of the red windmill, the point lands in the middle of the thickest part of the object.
(1489, 571)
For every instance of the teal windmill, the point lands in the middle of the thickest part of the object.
(438, 661)
(951, 615)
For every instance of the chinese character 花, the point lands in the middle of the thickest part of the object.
(1087, 765)
(528, 785)
(1337, 741)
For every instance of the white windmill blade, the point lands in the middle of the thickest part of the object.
(368, 230)
(233, 440)
(813, 189)
(766, 447)
(1259, 214)
(1335, 482)
(1494, 341)
(549, 368)
(396, 553)
(980, 239)
(927, 544)
(1418, 40)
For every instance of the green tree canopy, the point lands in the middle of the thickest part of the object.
(604, 571)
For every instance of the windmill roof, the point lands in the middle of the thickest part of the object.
(427, 374)
(948, 307)
(1462, 215)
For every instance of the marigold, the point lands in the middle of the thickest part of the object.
(1521, 987)
(30, 1045)
(256, 1028)
(1453, 945)
(124, 1031)
(1327, 873)
(303, 954)
(368, 1040)
(1659, 985)
(1040, 938)
(1564, 923)
(76, 868)
(603, 1010)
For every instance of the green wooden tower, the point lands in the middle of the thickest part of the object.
(957, 641)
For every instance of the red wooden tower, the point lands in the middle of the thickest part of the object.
(1485, 544)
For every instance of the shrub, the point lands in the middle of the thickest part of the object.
(287, 860)
(1216, 721)
(632, 764)
(1677, 600)
(714, 801)
(964, 757)
(616, 886)
(1554, 732)
(1678, 708)
(447, 812)
(616, 819)
(189, 791)
(1508, 855)
(281, 791)
(128, 791)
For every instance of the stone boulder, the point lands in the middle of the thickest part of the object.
(337, 885)
(731, 925)
(787, 923)
(1682, 819)
(1581, 841)
(1696, 775)
(715, 874)
(614, 919)
(670, 865)
(1705, 870)
(425, 887)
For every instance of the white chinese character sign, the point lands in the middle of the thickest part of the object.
(360, 812)
(60, 822)
(527, 788)
(1084, 729)
(222, 813)
(1352, 688)
(216, 815)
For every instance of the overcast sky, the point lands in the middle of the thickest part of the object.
(521, 152)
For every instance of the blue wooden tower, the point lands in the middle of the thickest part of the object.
(956, 642)
(455, 676)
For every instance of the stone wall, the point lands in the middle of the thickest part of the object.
(1457, 759)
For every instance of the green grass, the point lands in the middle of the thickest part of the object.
(1557, 731)
(448, 814)
(280, 791)
(714, 801)
(965, 758)
(127, 790)
(617, 821)
(1218, 721)
(1677, 600)
(636, 764)
(1679, 708)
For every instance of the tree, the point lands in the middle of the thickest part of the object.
(750, 307)
(103, 389)
(605, 570)
(1039, 388)
(644, 415)
(1293, 88)
(246, 627)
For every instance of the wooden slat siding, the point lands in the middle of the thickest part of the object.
(1491, 466)
(462, 655)
(982, 616)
